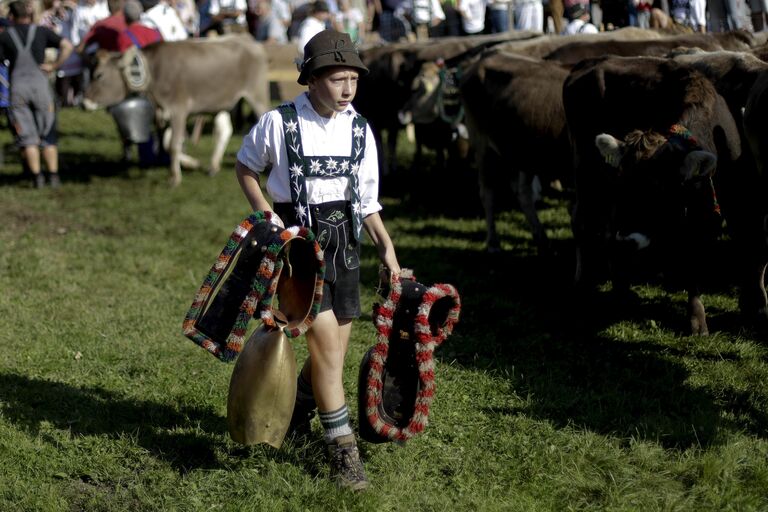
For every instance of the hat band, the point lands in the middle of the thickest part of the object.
(337, 55)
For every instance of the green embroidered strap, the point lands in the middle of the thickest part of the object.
(322, 166)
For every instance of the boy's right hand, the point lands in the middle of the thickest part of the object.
(276, 220)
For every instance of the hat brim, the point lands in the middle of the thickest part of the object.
(309, 70)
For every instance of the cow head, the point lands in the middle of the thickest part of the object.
(658, 181)
(422, 107)
(115, 76)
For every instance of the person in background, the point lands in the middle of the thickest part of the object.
(32, 110)
(228, 16)
(136, 34)
(350, 20)
(190, 18)
(643, 12)
(164, 18)
(316, 22)
(698, 15)
(578, 14)
(104, 33)
(273, 18)
(529, 15)
(498, 15)
(472, 16)
(424, 15)
(72, 77)
(391, 26)
(726, 15)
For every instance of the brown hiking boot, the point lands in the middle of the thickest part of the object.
(346, 467)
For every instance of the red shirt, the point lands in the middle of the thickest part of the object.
(142, 34)
(105, 32)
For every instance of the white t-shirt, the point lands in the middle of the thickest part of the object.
(320, 136)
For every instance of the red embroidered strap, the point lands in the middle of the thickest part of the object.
(425, 344)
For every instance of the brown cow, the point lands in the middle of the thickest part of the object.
(573, 52)
(516, 124)
(703, 93)
(385, 90)
(190, 77)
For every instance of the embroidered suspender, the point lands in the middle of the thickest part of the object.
(322, 166)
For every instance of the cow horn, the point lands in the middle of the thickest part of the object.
(133, 65)
(610, 148)
(698, 163)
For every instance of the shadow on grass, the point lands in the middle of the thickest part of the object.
(161, 429)
(520, 315)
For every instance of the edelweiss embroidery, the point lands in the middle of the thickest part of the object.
(322, 166)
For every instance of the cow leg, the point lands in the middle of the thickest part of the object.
(222, 131)
(487, 197)
(526, 198)
(753, 301)
(697, 315)
(185, 160)
(178, 125)
(197, 129)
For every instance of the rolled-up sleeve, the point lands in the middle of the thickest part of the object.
(368, 179)
(258, 149)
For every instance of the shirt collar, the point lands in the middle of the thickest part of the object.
(302, 102)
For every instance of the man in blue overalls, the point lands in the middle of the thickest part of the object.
(32, 110)
(324, 174)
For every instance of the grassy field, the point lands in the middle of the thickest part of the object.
(105, 406)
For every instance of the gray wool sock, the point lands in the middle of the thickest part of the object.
(335, 423)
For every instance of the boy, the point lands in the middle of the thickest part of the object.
(324, 174)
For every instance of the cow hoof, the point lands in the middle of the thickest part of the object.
(174, 182)
(212, 172)
(698, 328)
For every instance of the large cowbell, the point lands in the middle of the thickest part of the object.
(274, 273)
(396, 381)
(262, 390)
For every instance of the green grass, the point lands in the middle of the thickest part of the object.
(104, 405)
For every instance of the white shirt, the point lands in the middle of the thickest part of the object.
(579, 26)
(216, 6)
(308, 29)
(320, 136)
(424, 11)
(472, 15)
(85, 16)
(166, 20)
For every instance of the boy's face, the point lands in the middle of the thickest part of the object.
(332, 90)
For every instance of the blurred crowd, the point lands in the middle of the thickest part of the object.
(93, 24)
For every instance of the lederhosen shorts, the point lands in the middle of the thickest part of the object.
(332, 225)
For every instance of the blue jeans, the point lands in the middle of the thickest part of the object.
(499, 19)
